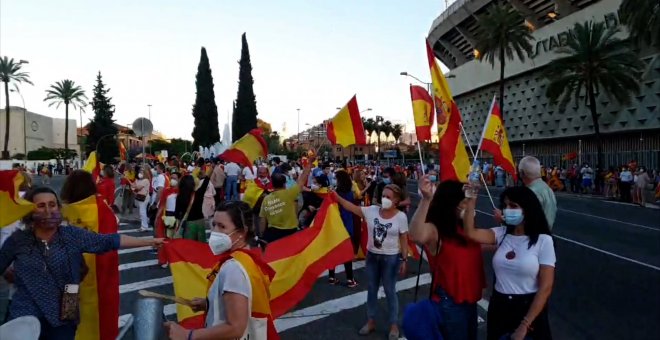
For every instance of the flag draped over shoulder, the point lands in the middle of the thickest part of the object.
(99, 291)
(299, 259)
(93, 166)
(454, 161)
(252, 193)
(422, 105)
(247, 149)
(494, 140)
(12, 206)
(346, 128)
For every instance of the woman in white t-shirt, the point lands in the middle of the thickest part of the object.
(387, 253)
(524, 266)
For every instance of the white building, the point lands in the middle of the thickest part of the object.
(30, 131)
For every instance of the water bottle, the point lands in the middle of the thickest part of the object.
(474, 180)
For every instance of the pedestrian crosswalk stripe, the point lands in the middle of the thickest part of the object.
(131, 287)
(133, 250)
(140, 264)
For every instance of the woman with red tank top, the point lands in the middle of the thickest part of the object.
(456, 262)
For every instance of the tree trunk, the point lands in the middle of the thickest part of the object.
(594, 118)
(378, 132)
(5, 151)
(66, 131)
(502, 64)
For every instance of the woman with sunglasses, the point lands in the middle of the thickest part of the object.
(524, 266)
(48, 263)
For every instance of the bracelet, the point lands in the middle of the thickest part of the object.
(525, 322)
(190, 334)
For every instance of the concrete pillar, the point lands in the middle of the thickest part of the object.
(467, 35)
(453, 51)
(526, 12)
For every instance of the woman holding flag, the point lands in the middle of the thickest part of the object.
(237, 305)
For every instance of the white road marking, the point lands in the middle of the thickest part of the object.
(608, 253)
(327, 308)
(610, 219)
(124, 231)
(133, 250)
(596, 249)
(483, 303)
(141, 264)
(131, 287)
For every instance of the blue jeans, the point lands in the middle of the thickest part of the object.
(459, 320)
(382, 268)
(231, 188)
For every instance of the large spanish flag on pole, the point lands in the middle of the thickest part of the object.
(494, 140)
(247, 149)
(122, 152)
(454, 161)
(99, 291)
(346, 128)
(422, 105)
(93, 166)
(12, 206)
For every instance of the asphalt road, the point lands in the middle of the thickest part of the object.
(607, 279)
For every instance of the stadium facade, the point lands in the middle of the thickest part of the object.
(534, 125)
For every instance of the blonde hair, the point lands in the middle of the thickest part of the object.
(396, 190)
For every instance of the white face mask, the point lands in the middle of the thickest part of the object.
(315, 187)
(140, 176)
(173, 182)
(220, 242)
(386, 203)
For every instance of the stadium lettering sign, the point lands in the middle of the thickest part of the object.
(561, 39)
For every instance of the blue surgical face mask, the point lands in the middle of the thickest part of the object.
(387, 180)
(433, 178)
(513, 217)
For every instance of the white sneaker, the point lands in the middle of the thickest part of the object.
(142, 229)
(165, 265)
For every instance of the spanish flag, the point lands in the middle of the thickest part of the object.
(122, 152)
(93, 166)
(12, 206)
(252, 193)
(346, 128)
(247, 149)
(299, 259)
(454, 161)
(99, 291)
(422, 105)
(495, 141)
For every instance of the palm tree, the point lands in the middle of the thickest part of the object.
(643, 20)
(387, 129)
(594, 60)
(369, 126)
(397, 131)
(501, 33)
(10, 71)
(67, 92)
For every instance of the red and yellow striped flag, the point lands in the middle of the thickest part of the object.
(252, 193)
(454, 161)
(99, 291)
(422, 105)
(247, 149)
(346, 128)
(12, 206)
(122, 152)
(93, 166)
(495, 141)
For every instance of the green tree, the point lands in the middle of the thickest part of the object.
(245, 113)
(102, 129)
(273, 142)
(397, 131)
(369, 125)
(387, 129)
(501, 33)
(593, 60)
(179, 146)
(10, 71)
(66, 91)
(642, 17)
(206, 131)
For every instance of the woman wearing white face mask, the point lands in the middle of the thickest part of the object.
(237, 305)
(524, 266)
(387, 253)
(141, 189)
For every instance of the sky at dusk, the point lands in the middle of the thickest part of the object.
(312, 55)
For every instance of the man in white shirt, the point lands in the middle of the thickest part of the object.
(232, 170)
(158, 183)
(627, 179)
(249, 173)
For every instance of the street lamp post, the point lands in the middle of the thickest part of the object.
(298, 135)
(15, 89)
(379, 122)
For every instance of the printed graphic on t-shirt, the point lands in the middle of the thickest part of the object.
(380, 232)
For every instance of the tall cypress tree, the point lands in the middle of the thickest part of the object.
(102, 128)
(206, 131)
(245, 113)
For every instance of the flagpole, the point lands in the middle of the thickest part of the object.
(421, 161)
(483, 180)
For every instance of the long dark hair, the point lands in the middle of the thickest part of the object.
(241, 215)
(186, 191)
(344, 183)
(78, 186)
(442, 211)
(534, 217)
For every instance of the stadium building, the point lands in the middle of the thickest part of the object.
(535, 126)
